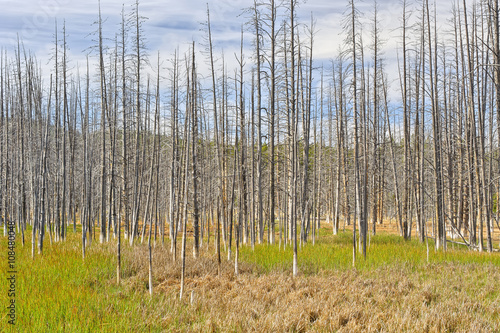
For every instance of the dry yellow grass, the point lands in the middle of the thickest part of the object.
(434, 298)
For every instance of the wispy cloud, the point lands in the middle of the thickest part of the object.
(174, 23)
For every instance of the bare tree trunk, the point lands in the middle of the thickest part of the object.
(217, 142)
(194, 134)
(272, 116)
(496, 46)
(258, 56)
(294, 148)
(137, 181)
(155, 148)
(406, 111)
(65, 130)
(186, 190)
(359, 208)
(104, 105)
(436, 121)
(173, 163)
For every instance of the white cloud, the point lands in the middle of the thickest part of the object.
(175, 23)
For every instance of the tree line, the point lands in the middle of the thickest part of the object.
(267, 151)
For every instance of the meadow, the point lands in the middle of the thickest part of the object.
(394, 289)
(117, 135)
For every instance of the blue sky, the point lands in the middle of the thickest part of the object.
(170, 23)
(175, 23)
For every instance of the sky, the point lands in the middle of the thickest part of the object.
(176, 23)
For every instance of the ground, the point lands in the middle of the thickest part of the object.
(395, 289)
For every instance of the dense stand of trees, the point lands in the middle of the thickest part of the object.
(264, 152)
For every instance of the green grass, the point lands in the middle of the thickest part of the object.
(334, 253)
(60, 292)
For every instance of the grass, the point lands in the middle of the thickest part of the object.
(393, 290)
(60, 292)
(334, 253)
